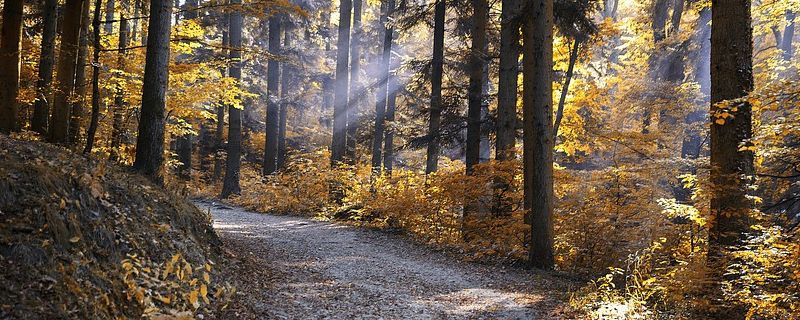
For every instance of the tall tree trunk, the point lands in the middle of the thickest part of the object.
(10, 60)
(355, 86)
(109, 26)
(184, 142)
(437, 69)
(220, 121)
(339, 143)
(485, 148)
(287, 43)
(231, 183)
(150, 138)
(731, 78)
(677, 14)
(383, 83)
(273, 91)
(507, 81)
(788, 37)
(41, 109)
(78, 104)
(477, 61)
(65, 76)
(119, 95)
(538, 127)
(90, 133)
(391, 106)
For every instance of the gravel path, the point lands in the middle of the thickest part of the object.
(298, 268)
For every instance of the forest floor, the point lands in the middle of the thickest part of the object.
(294, 267)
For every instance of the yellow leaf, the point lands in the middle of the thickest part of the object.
(719, 121)
(165, 300)
(206, 277)
(204, 293)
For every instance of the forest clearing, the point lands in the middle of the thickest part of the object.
(399, 159)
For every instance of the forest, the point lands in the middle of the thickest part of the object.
(590, 159)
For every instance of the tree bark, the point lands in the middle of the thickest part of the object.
(109, 26)
(90, 133)
(507, 81)
(284, 102)
(65, 76)
(273, 87)
(10, 60)
(476, 81)
(339, 143)
(41, 109)
(731, 78)
(219, 144)
(382, 91)
(437, 69)
(538, 138)
(150, 138)
(231, 183)
(355, 86)
(77, 105)
(788, 37)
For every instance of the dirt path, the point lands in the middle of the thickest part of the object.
(297, 268)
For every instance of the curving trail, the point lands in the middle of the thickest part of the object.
(298, 268)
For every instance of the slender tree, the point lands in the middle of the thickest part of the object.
(788, 36)
(387, 7)
(65, 75)
(731, 160)
(507, 80)
(78, 102)
(284, 103)
(150, 138)
(273, 92)
(230, 184)
(219, 144)
(537, 102)
(477, 61)
(90, 133)
(355, 86)
(41, 108)
(437, 66)
(339, 143)
(10, 47)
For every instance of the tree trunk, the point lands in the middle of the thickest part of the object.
(231, 183)
(10, 60)
(507, 81)
(90, 133)
(78, 103)
(339, 143)
(478, 57)
(731, 78)
(437, 69)
(383, 83)
(391, 106)
(220, 121)
(287, 43)
(150, 138)
(677, 14)
(119, 96)
(573, 58)
(538, 138)
(788, 37)
(65, 76)
(273, 91)
(41, 109)
(355, 86)
(109, 26)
